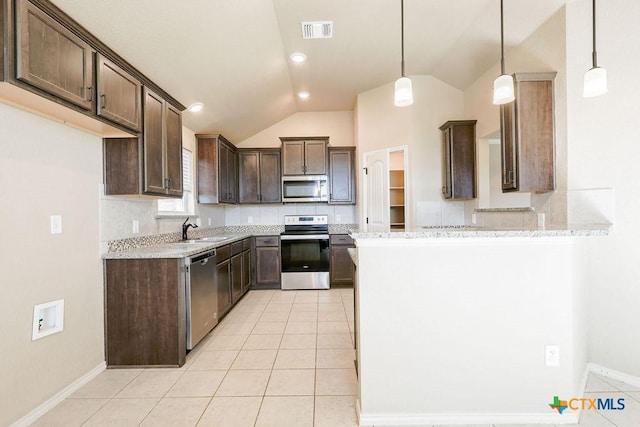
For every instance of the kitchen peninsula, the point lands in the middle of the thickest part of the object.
(453, 324)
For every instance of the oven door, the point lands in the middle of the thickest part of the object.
(305, 261)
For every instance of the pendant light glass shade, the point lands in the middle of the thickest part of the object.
(403, 92)
(595, 80)
(503, 92)
(403, 89)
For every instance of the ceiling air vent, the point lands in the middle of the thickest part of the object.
(317, 30)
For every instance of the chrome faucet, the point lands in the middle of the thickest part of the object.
(185, 228)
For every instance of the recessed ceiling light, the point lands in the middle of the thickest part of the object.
(298, 57)
(303, 95)
(196, 106)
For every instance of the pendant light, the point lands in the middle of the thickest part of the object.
(503, 92)
(403, 90)
(595, 80)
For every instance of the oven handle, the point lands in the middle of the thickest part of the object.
(304, 237)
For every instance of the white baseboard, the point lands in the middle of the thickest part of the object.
(46, 406)
(466, 418)
(616, 375)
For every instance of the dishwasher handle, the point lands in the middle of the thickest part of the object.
(201, 258)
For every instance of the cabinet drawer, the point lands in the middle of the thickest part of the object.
(246, 244)
(223, 253)
(236, 248)
(268, 241)
(341, 239)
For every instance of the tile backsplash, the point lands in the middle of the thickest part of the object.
(274, 214)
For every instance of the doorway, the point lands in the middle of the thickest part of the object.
(385, 190)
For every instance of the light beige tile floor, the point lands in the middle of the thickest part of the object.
(279, 358)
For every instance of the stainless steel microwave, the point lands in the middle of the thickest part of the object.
(304, 188)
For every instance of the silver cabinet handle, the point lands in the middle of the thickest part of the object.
(103, 104)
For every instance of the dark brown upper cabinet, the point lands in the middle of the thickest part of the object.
(55, 66)
(119, 94)
(217, 169)
(162, 147)
(52, 58)
(304, 156)
(342, 177)
(459, 159)
(150, 164)
(259, 176)
(528, 135)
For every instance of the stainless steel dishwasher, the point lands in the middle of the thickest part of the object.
(201, 298)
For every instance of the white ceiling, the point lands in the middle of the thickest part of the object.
(233, 55)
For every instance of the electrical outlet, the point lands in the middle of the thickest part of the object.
(338, 218)
(250, 220)
(198, 222)
(56, 224)
(136, 226)
(552, 355)
(474, 219)
(209, 219)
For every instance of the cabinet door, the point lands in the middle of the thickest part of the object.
(173, 137)
(508, 146)
(446, 163)
(463, 160)
(341, 176)
(267, 265)
(315, 156)
(52, 58)
(208, 164)
(236, 278)
(119, 95)
(293, 158)
(248, 175)
(154, 180)
(269, 177)
(233, 176)
(246, 270)
(223, 173)
(223, 283)
(535, 136)
(342, 269)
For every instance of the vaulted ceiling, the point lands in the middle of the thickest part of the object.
(233, 55)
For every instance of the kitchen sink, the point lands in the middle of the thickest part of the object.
(212, 239)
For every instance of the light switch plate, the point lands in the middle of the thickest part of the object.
(56, 224)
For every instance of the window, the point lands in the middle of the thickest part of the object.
(185, 205)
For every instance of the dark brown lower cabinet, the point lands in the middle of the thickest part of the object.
(246, 269)
(236, 271)
(223, 281)
(145, 318)
(342, 270)
(267, 262)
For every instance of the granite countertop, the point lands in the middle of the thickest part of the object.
(175, 249)
(169, 246)
(471, 232)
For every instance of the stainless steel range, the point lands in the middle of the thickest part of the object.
(305, 252)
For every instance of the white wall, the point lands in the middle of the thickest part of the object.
(381, 125)
(338, 125)
(441, 344)
(47, 169)
(603, 151)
